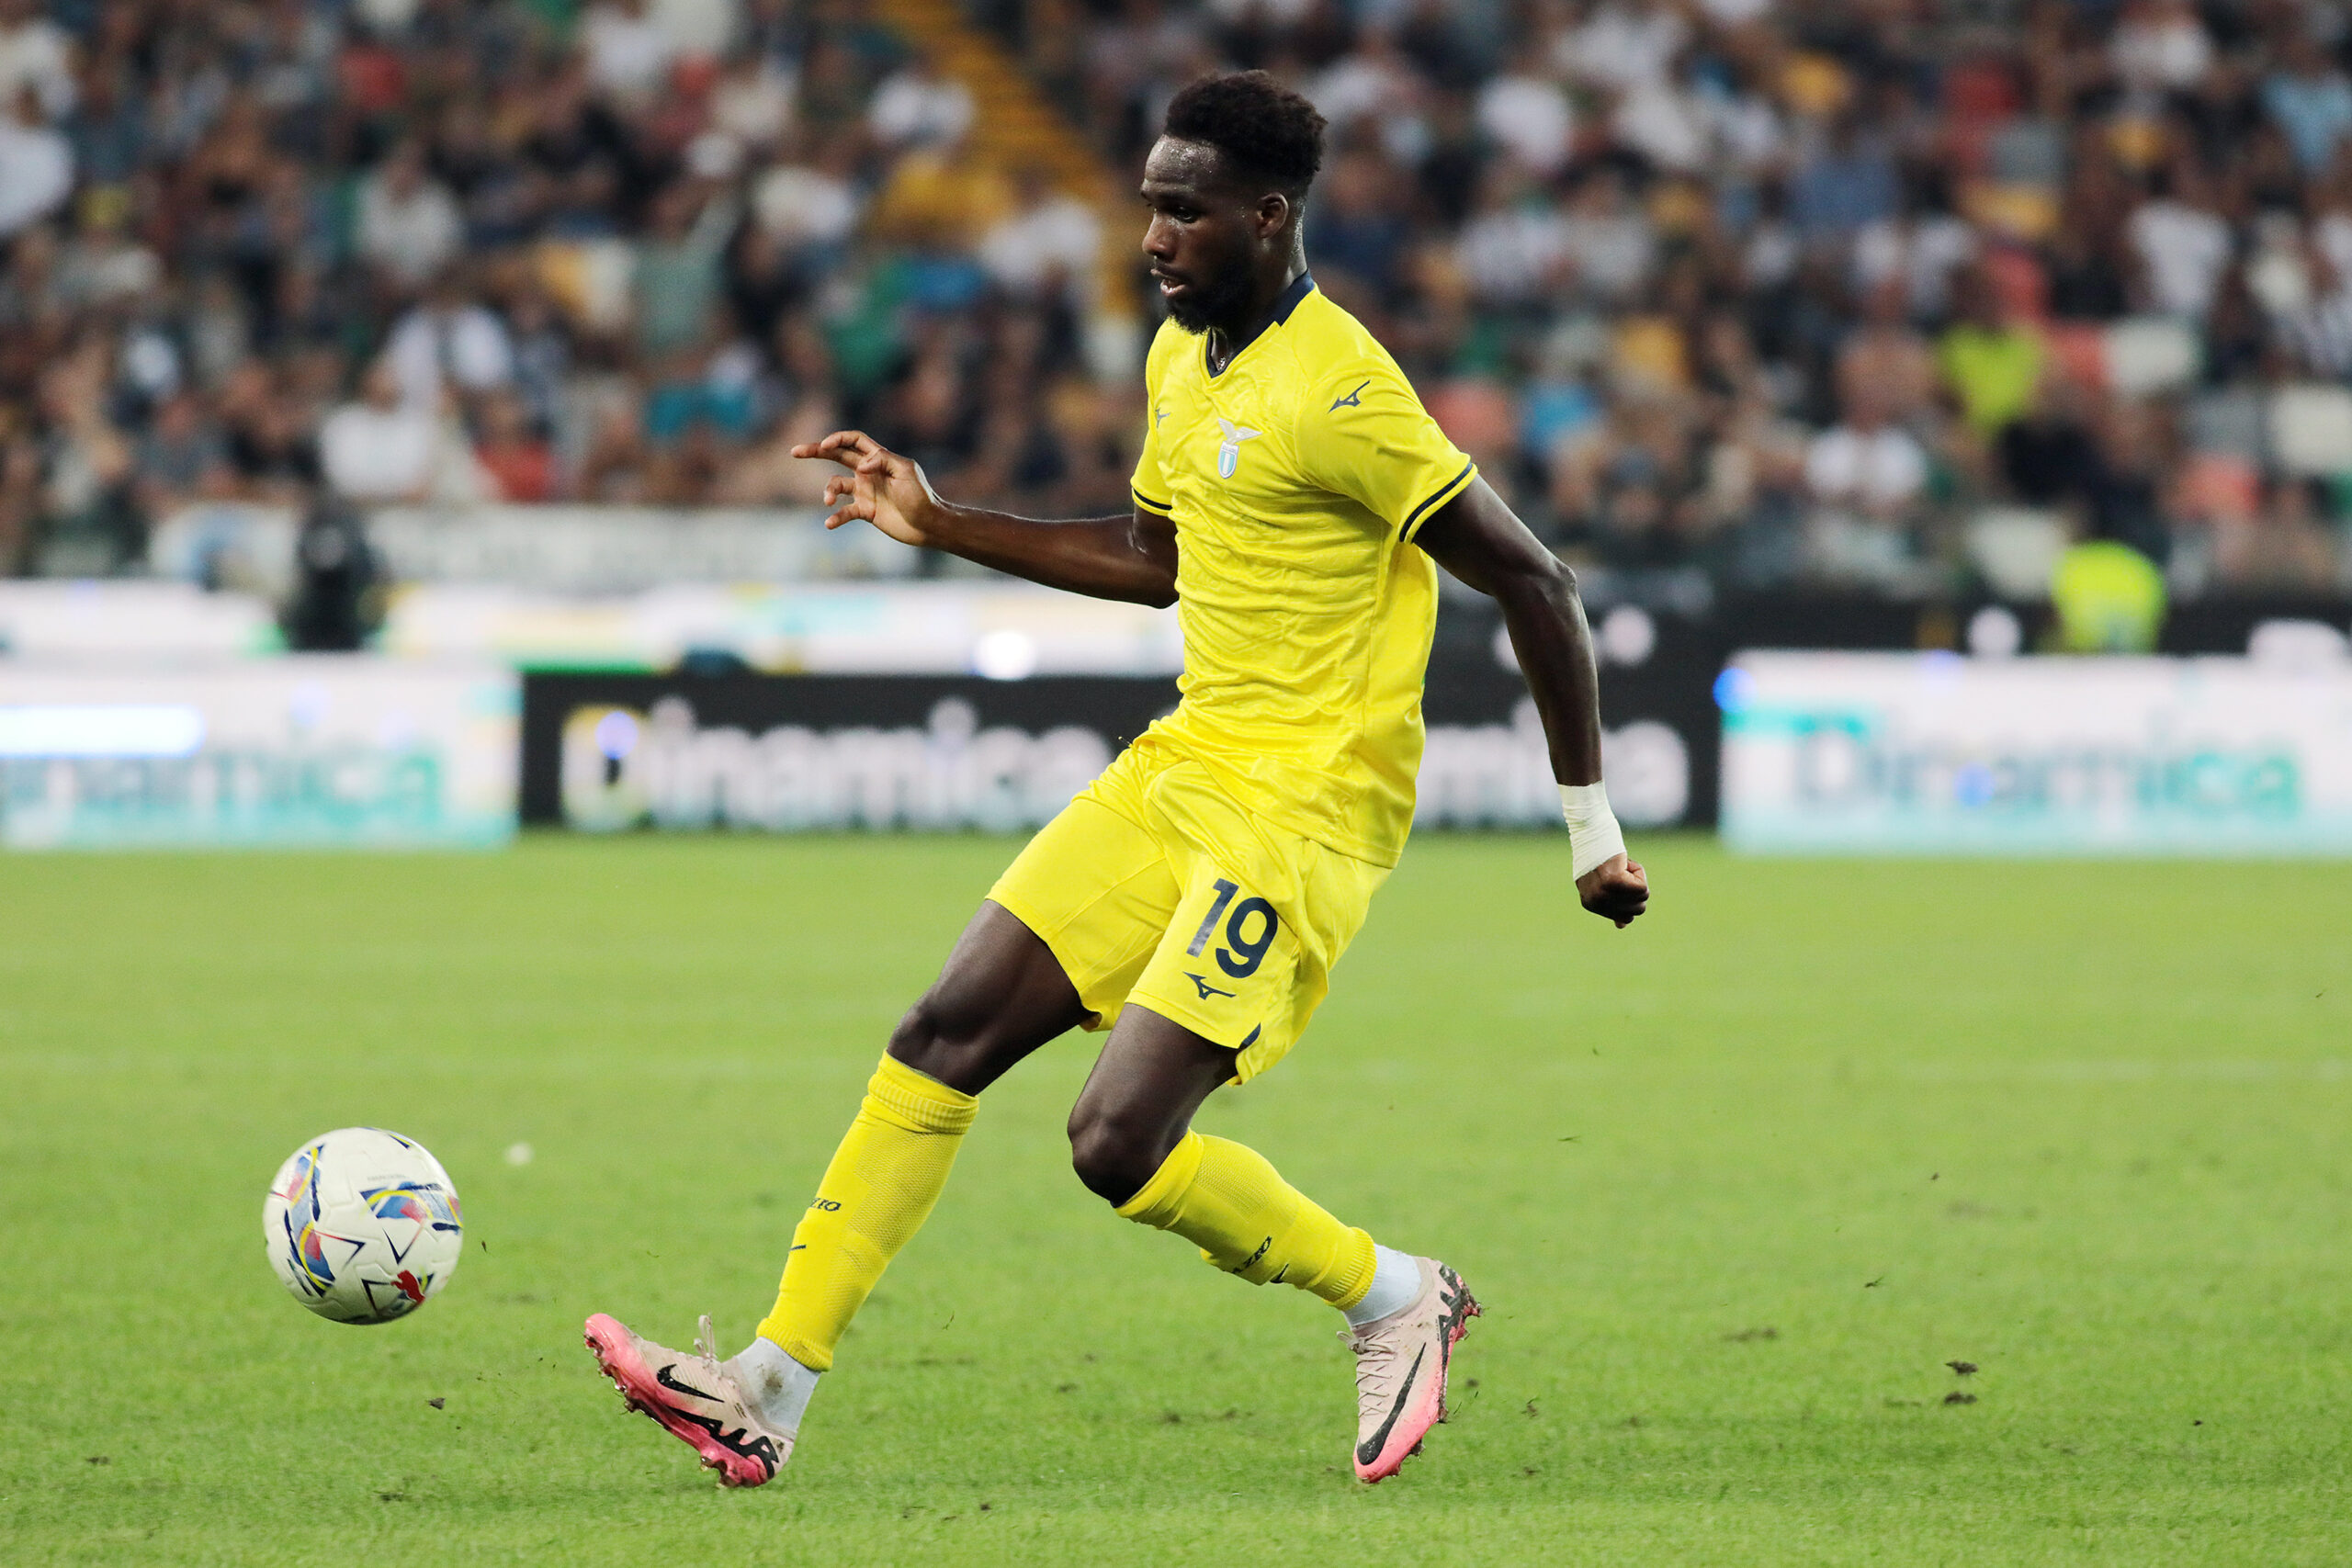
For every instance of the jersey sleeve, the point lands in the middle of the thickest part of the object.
(1150, 487)
(1364, 435)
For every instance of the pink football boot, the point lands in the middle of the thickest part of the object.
(1401, 1363)
(695, 1399)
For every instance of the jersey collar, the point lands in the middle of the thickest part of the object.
(1284, 303)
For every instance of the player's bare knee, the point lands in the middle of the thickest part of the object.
(1107, 1163)
(938, 1045)
(1114, 1157)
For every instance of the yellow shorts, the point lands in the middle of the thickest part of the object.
(1155, 886)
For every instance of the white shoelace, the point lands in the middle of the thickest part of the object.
(1379, 1365)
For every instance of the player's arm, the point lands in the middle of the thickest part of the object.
(1104, 557)
(1477, 538)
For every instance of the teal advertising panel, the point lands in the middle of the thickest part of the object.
(310, 751)
(1843, 753)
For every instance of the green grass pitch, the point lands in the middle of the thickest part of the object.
(1736, 1185)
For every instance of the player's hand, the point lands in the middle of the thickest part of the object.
(1617, 889)
(881, 487)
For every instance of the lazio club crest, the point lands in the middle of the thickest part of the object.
(1228, 452)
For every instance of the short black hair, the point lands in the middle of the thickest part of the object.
(1265, 131)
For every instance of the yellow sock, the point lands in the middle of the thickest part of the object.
(885, 1178)
(1247, 1220)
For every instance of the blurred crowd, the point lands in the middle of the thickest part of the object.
(452, 251)
(1891, 294)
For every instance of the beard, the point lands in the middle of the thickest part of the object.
(1219, 301)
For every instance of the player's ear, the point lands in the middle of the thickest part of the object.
(1273, 214)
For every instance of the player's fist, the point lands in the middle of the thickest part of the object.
(881, 487)
(1617, 889)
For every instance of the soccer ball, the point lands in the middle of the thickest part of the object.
(362, 1225)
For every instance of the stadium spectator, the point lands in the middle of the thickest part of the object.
(1529, 117)
(1990, 360)
(2160, 46)
(1623, 44)
(91, 523)
(36, 163)
(181, 458)
(1376, 90)
(676, 278)
(382, 448)
(1514, 250)
(410, 226)
(267, 426)
(1866, 475)
(1047, 247)
(753, 101)
(35, 54)
(446, 345)
(2184, 244)
(1918, 251)
(102, 264)
(19, 492)
(517, 458)
(1885, 352)
(2047, 457)
(1847, 185)
(1607, 243)
(812, 206)
(1866, 466)
(2310, 100)
(616, 464)
(2282, 545)
(919, 106)
(629, 52)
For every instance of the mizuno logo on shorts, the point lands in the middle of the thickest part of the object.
(1207, 990)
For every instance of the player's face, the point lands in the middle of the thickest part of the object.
(1207, 235)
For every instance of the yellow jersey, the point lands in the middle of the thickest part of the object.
(1297, 477)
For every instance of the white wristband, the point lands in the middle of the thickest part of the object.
(1593, 834)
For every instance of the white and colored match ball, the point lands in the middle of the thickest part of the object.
(363, 1225)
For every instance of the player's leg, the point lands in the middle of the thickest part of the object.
(1002, 995)
(1237, 973)
(1059, 943)
(1132, 1143)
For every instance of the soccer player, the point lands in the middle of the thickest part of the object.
(1294, 500)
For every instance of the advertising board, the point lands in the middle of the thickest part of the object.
(931, 628)
(309, 751)
(604, 550)
(1487, 766)
(1930, 754)
(607, 752)
(132, 619)
(783, 753)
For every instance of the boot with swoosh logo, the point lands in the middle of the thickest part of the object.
(695, 1399)
(1401, 1362)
